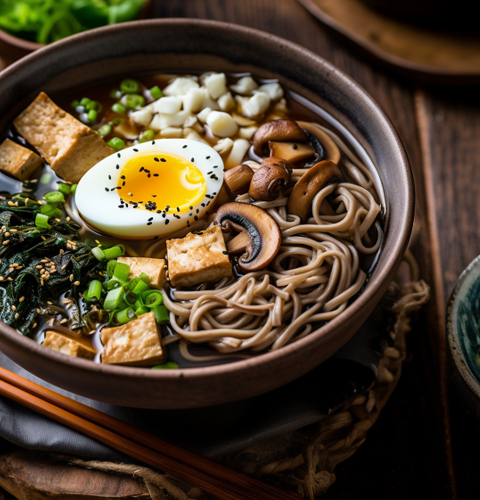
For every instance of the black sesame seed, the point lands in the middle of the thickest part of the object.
(155, 175)
(178, 209)
(198, 210)
(215, 166)
(188, 223)
(211, 172)
(156, 159)
(208, 204)
(294, 146)
(154, 195)
(109, 177)
(155, 238)
(167, 221)
(190, 214)
(141, 169)
(117, 166)
(163, 159)
(151, 218)
(123, 183)
(191, 208)
(163, 215)
(203, 204)
(106, 189)
(196, 218)
(207, 157)
(122, 177)
(183, 147)
(149, 176)
(119, 155)
(224, 252)
(153, 142)
(136, 150)
(192, 160)
(159, 211)
(121, 206)
(214, 192)
(149, 223)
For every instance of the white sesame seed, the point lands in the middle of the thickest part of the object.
(21, 299)
(14, 308)
(77, 283)
(71, 277)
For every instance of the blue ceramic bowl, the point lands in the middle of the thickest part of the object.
(463, 325)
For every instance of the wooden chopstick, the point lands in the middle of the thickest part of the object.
(213, 478)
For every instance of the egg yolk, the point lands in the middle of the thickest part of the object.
(155, 181)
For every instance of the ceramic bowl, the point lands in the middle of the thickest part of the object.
(463, 325)
(196, 45)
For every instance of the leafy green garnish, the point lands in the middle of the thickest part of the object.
(22, 259)
(46, 21)
(170, 365)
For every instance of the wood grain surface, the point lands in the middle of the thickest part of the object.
(420, 448)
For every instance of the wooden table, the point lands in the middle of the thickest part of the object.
(420, 448)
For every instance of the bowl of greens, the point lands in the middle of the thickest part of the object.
(30, 24)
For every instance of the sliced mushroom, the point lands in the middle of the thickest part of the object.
(314, 179)
(238, 179)
(293, 152)
(273, 174)
(259, 235)
(277, 130)
(329, 150)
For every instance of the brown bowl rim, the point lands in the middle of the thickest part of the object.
(375, 283)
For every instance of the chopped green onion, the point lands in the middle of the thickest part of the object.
(99, 253)
(93, 105)
(92, 116)
(133, 283)
(45, 179)
(119, 108)
(54, 197)
(147, 136)
(125, 315)
(121, 271)
(140, 287)
(156, 92)
(113, 298)
(145, 277)
(117, 120)
(153, 299)
(111, 267)
(135, 100)
(130, 298)
(141, 310)
(115, 94)
(74, 103)
(129, 86)
(114, 252)
(84, 101)
(94, 291)
(64, 188)
(51, 211)
(73, 188)
(161, 314)
(104, 130)
(170, 365)
(114, 283)
(116, 143)
(41, 220)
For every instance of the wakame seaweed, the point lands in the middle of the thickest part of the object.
(23, 247)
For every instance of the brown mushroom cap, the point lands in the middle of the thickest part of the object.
(259, 235)
(330, 149)
(266, 182)
(277, 130)
(314, 179)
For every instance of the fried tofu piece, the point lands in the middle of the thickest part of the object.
(198, 258)
(68, 346)
(69, 146)
(155, 269)
(17, 160)
(136, 343)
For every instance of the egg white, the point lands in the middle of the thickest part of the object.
(100, 208)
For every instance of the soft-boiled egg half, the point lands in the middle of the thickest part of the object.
(150, 189)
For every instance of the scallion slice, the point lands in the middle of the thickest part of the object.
(99, 253)
(92, 116)
(130, 298)
(54, 197)
(119, 108)
(148, 135)
(155, 92)
(94, 291)
(84, 101)
(140, 287)
(161, 314)
(41, 220)
(169, 365)
(115, 94)
(73, 188)
(116, 143)
(152, 298)
(135, 100)
(113, 299)
(114, 252)
(104, 130)
(121, 272)
(125, 315)
(64, 188)
(111, 267)
(129, 86)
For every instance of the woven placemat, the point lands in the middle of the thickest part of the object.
(303, 460)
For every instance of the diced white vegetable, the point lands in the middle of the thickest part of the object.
(189, 133)
(208, 102)
(281, 106)
(239, 150)
(169, 105)
(256, 105)
(273, 90)
(241, 120)
(222, 124)
(245, 86)
(190, 121)
(247, 132)
(142, 117)
(163, 120)
(216, 84)
(202, 77)
(192, 100)
(180, 86)
(223, 146)
(198, 127)
(226, 102)
(172, 132)
(203, 115)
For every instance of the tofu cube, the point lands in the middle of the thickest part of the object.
(17, 160)
(68, 346)
(136, 343)
(70, 147)
(198, 258)
(155, 269)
